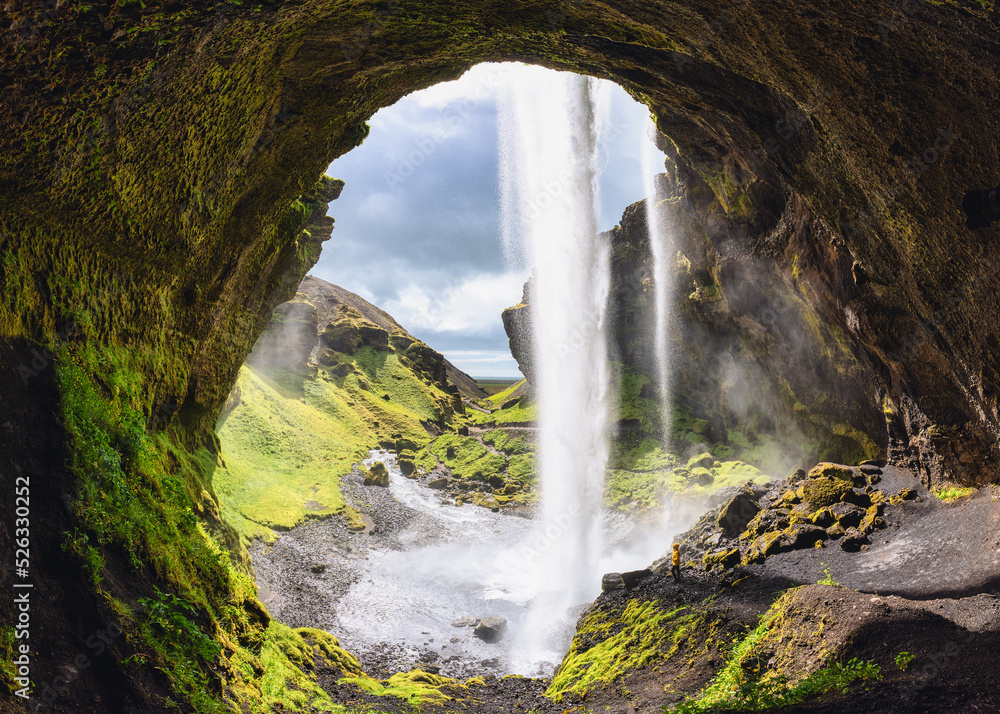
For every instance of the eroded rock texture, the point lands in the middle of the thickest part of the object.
(160, 185)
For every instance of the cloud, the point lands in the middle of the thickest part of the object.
(471, 307)
(425, 246)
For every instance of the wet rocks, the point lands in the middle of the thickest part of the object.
(491, 629)
(439, 483)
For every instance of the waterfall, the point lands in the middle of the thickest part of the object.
(662, 248)
(550, 134)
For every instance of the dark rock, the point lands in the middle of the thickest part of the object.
(801, 535)
(870, 469)
(735, 515)
(854, 540)
(725, 558)
(847, 514)
(491, 629)
(319, 568)
(797, 477)
(859, 497)
(612, 581)
(824, 518)
(439, 483)
(634, 577)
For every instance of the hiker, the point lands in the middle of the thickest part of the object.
(675, 569)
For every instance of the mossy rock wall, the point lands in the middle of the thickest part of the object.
(161, 191)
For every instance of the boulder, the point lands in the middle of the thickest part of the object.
(612, 581)
(491, 629)
(859, 497)
(406, 462)
(836, 531)
(826, 469)
(377, 475)
(797, 477)
(725, 558)
(702, 476)
(872, 521)
(823, 518)
(824, 490)
(853, 540)
(905, 494)
(847, 514)
(869, 469)
(466, 622)
(485, 500)
(439, 483)
(634, 577)
(801, 535)
(703, 461)
(737, 514)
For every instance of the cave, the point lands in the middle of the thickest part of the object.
(162, 192)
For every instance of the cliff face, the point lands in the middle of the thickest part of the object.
(756, 365)
(159, 196)
(324, 319)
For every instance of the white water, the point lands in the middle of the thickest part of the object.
(457, 562)
(663, 249)
(551, 128)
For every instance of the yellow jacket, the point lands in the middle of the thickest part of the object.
(677, 556)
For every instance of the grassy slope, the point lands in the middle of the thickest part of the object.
(290, 440)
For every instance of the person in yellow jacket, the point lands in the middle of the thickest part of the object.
(675, 569)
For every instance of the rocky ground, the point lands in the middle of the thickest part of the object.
(920, 577)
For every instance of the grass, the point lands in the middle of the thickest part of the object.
(290, 439)
(464, 455)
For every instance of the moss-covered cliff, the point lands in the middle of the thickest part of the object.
(161, 192)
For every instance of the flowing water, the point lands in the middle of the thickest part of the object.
(450, 563)
(663, 250)
(552, 127)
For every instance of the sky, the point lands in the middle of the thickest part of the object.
(417, 226)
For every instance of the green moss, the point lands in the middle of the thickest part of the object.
(416, 687)
(752, 678)
(643, 634)
(289, 660)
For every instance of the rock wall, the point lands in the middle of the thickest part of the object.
(159, 162)
(756, 353)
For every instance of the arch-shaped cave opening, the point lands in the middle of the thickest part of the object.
(344, 359)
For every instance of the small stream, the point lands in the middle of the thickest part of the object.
(391, 596)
